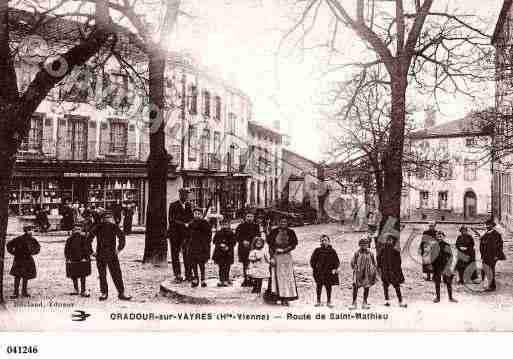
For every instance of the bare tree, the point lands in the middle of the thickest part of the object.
(153, 22)
(18, 106)
(437, 51)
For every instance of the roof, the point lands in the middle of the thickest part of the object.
(473, 124)
(291, 153)
(256, 127)
(506, 5)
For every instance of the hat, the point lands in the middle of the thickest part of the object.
(364, 242)
(463, 228)
(490, 222)
(197, 209)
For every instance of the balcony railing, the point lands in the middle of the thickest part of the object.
(210, 161)
(76, 151)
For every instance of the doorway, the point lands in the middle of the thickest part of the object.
(469, 204)
(80, 191)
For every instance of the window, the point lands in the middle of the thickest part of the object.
(444, 170)
(34, 139)
(217, 142)
(470, 142)
(424, 199)
(118, 137)
(443, 197)
(193, 100)
(217, 114)
(193, 139)
(206, 103)
(470, 170)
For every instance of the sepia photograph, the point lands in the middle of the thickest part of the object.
(255, 166)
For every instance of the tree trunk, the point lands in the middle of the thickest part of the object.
(5, 179)
(155, 246)
(392, 158)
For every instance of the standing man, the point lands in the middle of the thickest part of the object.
(180, 215)
(428, 240)
(107, 254)
(244, 234)
(491, 248)
(117, 211)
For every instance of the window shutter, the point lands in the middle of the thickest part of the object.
(63, 140)
(91, 141)
(104, 138)
(49, 144)
(132, 139)
(144, 140)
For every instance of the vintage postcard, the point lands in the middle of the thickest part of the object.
(256, 165)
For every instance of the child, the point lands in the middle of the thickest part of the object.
(259, 261)
(389, 265)
(325, 263)
(77, 252)
(442, 260)
(198, 246)
(364, 272)
(224, 242)
(23, 268)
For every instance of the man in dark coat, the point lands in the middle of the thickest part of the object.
(325, 262)
(180, 215)
(491, 248)
(198, 246)
(244, 235)
(117, 211)
(442, 260)
(223, 256)
(389, 267)
(466, 254)
(106, 233)
(77, 252)
(427, 241)
(23, 267)
(128, 218)
(68, 217)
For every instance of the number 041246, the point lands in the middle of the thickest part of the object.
(22, 349)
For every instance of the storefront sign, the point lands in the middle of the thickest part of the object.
(83, 174)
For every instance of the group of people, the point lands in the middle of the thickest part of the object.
(78, 251)
(86, 216)
(264, 253)
(438, 258)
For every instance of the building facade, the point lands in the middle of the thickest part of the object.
(300, 179)
(449, 171)
(264, 163)
(207, 136)
(502, 174)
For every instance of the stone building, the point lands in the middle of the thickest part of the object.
(300, 179)
(448, 172)
(264, 163)
(502, 40)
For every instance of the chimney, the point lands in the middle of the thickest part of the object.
(429, 117)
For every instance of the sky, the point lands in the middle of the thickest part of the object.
(240, 39)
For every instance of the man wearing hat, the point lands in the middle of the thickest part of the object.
(180, 215)
(491, 248)
(106, 233)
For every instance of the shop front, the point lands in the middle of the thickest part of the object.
(50, 185)
(219, 193)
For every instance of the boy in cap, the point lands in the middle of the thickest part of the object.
(77, 252)
(23, 267)
(198, 246)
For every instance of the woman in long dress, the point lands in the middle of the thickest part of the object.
(282, 241)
